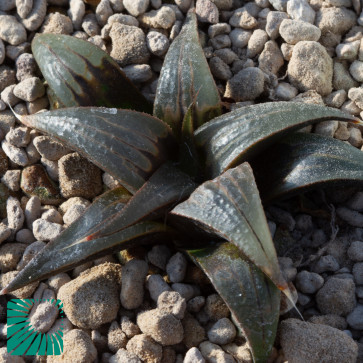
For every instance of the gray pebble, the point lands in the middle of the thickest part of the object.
(284, 91)
(173, 303)
(156, 285)
(51, 167)
(52, 215)
(29, 89)
(274, 19)
(355, 318)
(73, 213)
(220, 41)
(218, 29)
(76, 12)
(15, 154)
(300, 10)
(176, 267)
(11, 31)
(240, 37)
(128, 327)
(326, 264)
(49, 148)
(336, 98)
(358, 273)
(36, 16)
(12, 179)
(32, 211)
(193, 355)
(256, 42)
(222, 332)
(309, 282)
(294, 31)
(132, 287)
(355, 251)
(207, 11)
(2, 51)
(18, 136)
(136, 7)
(24, 235)
(15, 213)
(241, 18)
(90, 25)
(352, 217)
(45, 231)
(23, 7)
(220, 69)
(195, 304)
(159, 256)
(138, 73)
(103, 12)
(187, 291)
(7, 95)
(157, 43)
(5, 232)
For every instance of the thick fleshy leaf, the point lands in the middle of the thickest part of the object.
(252, 298)
(81, 74)
(239, 135)
(185, 79)
(109, 224)
(129, 145)
(305, 161)
(230, 207)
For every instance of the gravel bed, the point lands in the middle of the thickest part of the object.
(157, 306)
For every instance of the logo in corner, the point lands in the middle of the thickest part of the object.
(22, 338)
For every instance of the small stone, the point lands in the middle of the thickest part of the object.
(337, 296)
(220, 41)
(78, 177)
(123, 356)
(132, 287)
(49, 148)
(30, 252)
(350, 107)
(163, 18)
(306, 342)
(7, 77)
(78, 347)
(90, 25)
(156, 285)
(335, 321)
(279, 5)
(57, 281)
(12, 179)
(241, 18)
(46, 231)
(92, 299)
(157, 43)
(355, 250)
(284, 91)
(116, 338)
(336, 99)
(335, 20)
(57, 23)
(309, 282)
(228, 56)
(7, 96)
(294, 31)
(300, 10)
(163, 327)
(15, 214)
(15, 154)
(207, 11)
(218, 29)
(273, 23)
(103, 12)
(176, 267)
(194, 333)
(137, 73)
(63, 208)
(342, 78)
(159, 256)
(145, 348)
(271, 59)
(10, 254)
(18, 136)
(358, 273)
(220, 69)
(52, 215)
(11, 31)
(5, 232)
(214, 353)
(193, 355)
(256, 42)
(36, 182)
(29, 89)
(356, 70)
(36, 16)
(222, 332)
(246, 85)
(137, 7)
(352, 217)
(187, 291)
(355, 318)
(76, 11)
(128, 44)
(311, 68)
(216, 308)
(128, 327)
(22, 293)
(73, 213)
(240, 37)
(347, 51)
(172, 302)
(326, 264)
(24, 235)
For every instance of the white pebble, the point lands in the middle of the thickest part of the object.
(45, 231)
(176, 267)
(15, 213)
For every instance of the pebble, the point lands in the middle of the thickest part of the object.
(18, 136)
(90, 25)
(159, 255)
(78, 347)
(22, 293)
(279, 5)
(73, 213)
(145, 348)
(103, 12)
(300, 10)
(220, 41)
(36, 16)
(271, 59)
(215, 307)
(156, 285)
(116, 338)
(326, 264)
(30, 252)
(347, 51)
(46, 231)
(342, 79)
(12, 179)
(2, 51)
(207, 11)
(193, 355)
(222, 332)
(337, 296)
(99, 285)
(11, 31)
(214, 353)
(240, 37)
(171, 302)
(49, 148)
(128, 327)
(256, 42)
(15, 154)
(32, 211)
(356, 70)
(355, 251)
(294, 31)
(123, 356)
(57, 23)
(355, 318)
(5, 232)
(273, 23)
(187, 291)
(76, 12)
(285, 92)
(336, 99)
(26, 66)
(311, 73)
(157, 43)
(55, 282)
(52, 215)
(306, 342)
(335, 20)
(194, 333)
(241, 18)
(246, 85)
(218, 29)
(309, 282)
(358, 273)
(8, 357)
(78, 177)
(29, 89)
(128, 44)
(352, 217)
(7, 77)
(132, 288)
(10, 255)
(136, 7)
(63, 208)
(176, 267)
(335, 321)
(220, 69)
(14, 213)
(163, 18)
(36, 182)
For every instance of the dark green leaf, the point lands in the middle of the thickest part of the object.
(185, 78)
(109, 224)
(239, 135)
(252, 298)
(81, 74)
(129, 145)
(304, 161)
(229, 207)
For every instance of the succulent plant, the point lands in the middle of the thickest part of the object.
(184, 171)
